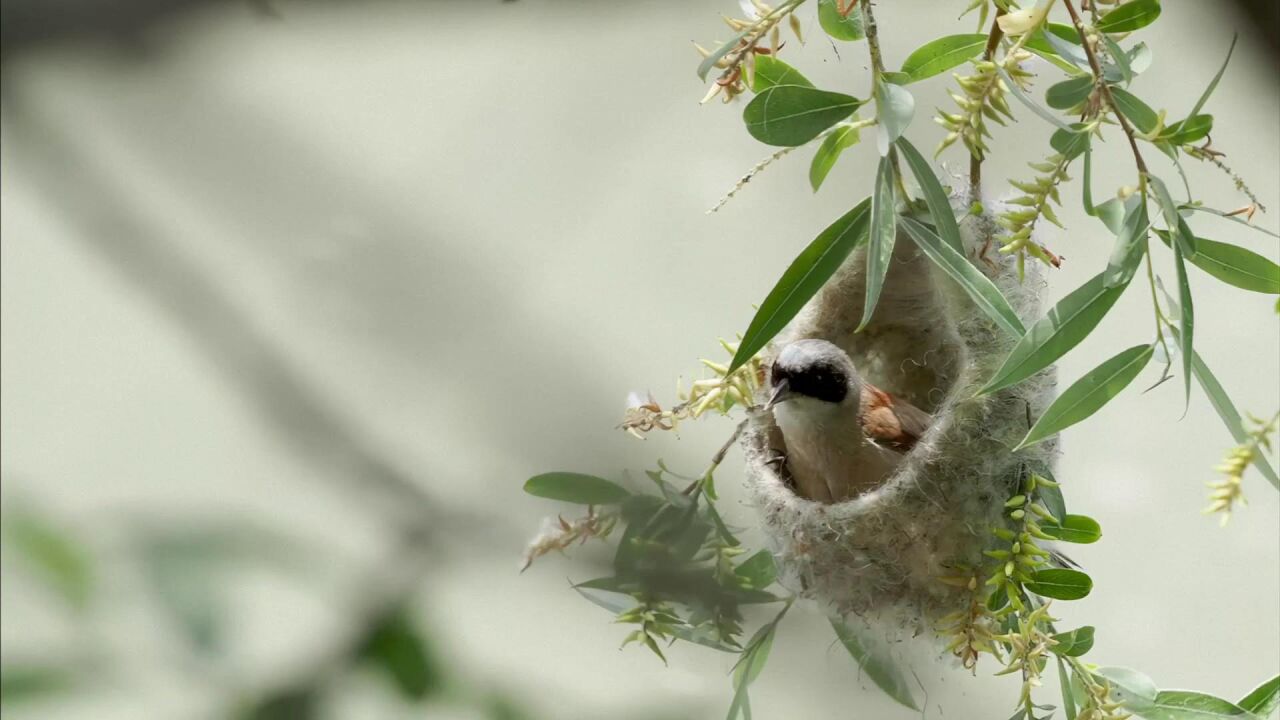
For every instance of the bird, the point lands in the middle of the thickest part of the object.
(843, 435)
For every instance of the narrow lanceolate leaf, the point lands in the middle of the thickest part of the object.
(791, 115)
(1189, 705)
(896, 106)
(771, 71)
(1234, 265)
(942, 54)
(1069, 93)
(1213, 84)
(1131, 243)
(880, 238)
(1088, 394)
(1060, 584)
(1069, 322)
(1232, 218)
(1184, 132)
(1186, 320)
(829, 152)
(1034, 106)
(983, 292)
(1130, 16)
(1182, 234)
(1230, 415)
(841, 27)
(934, 196)
(1074, 643)
(1068, 692)
(875, 662)
(806, 275)
(1137, 111)
(710, 61)
(750, 664)
(576, 488)
(1264, 700)
(1080, 529)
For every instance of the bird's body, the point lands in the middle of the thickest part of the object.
(843, 436)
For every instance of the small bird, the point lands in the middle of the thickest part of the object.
(844, 436)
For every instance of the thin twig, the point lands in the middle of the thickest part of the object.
(988, 54)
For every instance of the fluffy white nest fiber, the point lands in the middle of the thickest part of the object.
(885, 550)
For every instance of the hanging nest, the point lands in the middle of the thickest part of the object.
(888, 549)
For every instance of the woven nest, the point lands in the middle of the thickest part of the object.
(928, 343)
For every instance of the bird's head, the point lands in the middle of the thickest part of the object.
(816, 374)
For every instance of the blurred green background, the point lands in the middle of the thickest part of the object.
(297, 294)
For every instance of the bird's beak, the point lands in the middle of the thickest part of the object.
(781, 393)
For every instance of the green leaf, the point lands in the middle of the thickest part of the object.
(1189, 705)
(939, 56)
(1138, 112)
(1051, 497)
(1069, 322)
(792, 115)
(934, 196)
(290, 703)
(710, 61)
(1035, 107)
(1232, 218)
(1184, 132)
(1069, 50)
(1069, 93)
(1264, 700)
(876, 663)
(880, 240)
(1133, 688)
(576, 488)
(1080, 529)
(1131, 243)
(1088, 394)
(771, 71)
(1121, 71)
(751, 663)
(895, 106)
(1074, 643)
(1068, 693)
(983, 292)
(1186, 319)
(758, 571)
(21, 682)
(802, 279)
(52, 554)
(828, 152)
(1213, 84)
(1130, 16)
(1070, 144)
(395, 646)
(1230, 416)
(841, 28)
(1060, 584)
(1234, 265)
(1172, 218)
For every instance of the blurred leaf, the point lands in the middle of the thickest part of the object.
(1234, 265)
(22, 682)
(934, 196)
(1213, 84)
(1173, 220)
(1035, 107)
(1230, 416)
(847, 28)
(751, 663)
(576, 488)
(1186, 320)
(710, 61)
(895, 106)
(1131, 243)
(1232, 218)
(501, 707)
(1070, 144)
(189, 585)
(1264, 700)
(396, 647)
(829, 152)
(805, 276)
(1130, 16)
(942, 54)
(880, 239)
(758, 571)
(980, 289)
(791, 115)
(1189, 705)
(1039, 44)
(1074, 529)
(875, 662)
(53, 555)
(1088, 394)
(1060, 584)
(1069, 322)
(771, 71)
(1138, 112)
(1074, 643)
(301, 703)
(1068, 93)
(1068, 49)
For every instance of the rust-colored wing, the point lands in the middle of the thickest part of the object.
(892, 422)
